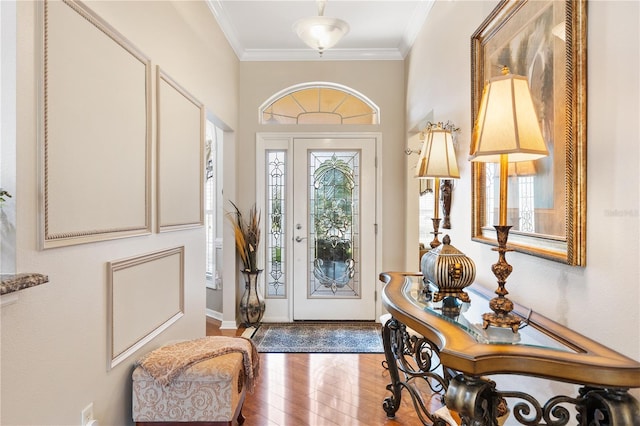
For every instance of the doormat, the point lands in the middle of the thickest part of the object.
(319, 337)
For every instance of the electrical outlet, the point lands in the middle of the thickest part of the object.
(87, 414)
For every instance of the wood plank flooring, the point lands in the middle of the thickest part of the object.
(322, 389)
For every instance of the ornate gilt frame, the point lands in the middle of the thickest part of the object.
(500, 25)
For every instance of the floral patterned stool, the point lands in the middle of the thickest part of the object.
(208, 392)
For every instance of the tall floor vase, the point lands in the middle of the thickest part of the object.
(252, 303)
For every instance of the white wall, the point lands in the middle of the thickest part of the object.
(600, 300)
(54, 339)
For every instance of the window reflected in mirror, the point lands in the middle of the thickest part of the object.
(527, 200)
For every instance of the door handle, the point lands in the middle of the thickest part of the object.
(299, 238)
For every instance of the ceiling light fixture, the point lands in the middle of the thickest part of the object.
(321, 32)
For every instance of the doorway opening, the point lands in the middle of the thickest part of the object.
(318, 195)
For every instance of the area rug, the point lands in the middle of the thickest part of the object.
(319, 337)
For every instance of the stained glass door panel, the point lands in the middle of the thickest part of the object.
(334, 238)
(333, 216)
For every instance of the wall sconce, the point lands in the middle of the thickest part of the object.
(447, 185)
(506, 130)
(437, 160)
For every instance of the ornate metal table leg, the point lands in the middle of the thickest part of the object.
(411, 359)
(475, 400)
(391, 403)
(607, 407)
(480, 403)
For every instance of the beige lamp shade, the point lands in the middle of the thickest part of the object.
(507, 123)
(437, 156)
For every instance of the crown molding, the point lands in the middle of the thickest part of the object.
(335, 54)
(224, 21)
(415, 25)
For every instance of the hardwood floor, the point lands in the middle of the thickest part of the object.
(322, 389)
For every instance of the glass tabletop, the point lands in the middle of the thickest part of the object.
(468, 316)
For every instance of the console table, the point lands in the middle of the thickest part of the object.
(443, 346)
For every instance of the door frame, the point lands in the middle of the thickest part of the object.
(282, 309)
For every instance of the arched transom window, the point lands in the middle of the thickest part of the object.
(319, 103)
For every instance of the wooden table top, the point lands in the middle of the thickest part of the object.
(558, 353)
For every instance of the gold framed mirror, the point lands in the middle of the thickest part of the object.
(546, 42)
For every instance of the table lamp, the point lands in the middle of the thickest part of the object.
(506, 130)
(437, 160)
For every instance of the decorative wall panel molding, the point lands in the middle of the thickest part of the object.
(146, 296)
(95, 130)
(180, 162)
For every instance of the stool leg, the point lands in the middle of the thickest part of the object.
(240, 417)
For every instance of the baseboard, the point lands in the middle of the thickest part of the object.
(224, 325)
(228, 325)
(214, 314)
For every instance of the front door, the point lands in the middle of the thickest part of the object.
(333, 247)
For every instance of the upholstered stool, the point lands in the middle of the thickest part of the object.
(207, 392)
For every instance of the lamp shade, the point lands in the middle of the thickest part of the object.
(321, 32)
(437, 156)
(507, 123)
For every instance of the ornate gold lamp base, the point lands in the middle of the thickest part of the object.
(501, 320)
(500, 305)
(436, 224)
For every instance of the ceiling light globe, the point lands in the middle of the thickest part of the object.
(321, 32)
